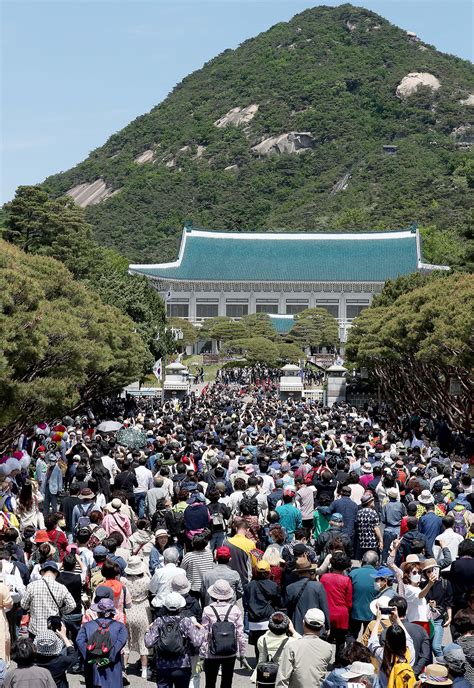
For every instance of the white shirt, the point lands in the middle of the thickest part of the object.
(160, 584)
(452, 540)
(144, 479)
(111, 465)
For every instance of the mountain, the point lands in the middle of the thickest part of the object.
(336, 120)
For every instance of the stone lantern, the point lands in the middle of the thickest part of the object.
(336, 380)
(291, 384)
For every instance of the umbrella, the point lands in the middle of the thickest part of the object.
(109, 426)
(133, 438)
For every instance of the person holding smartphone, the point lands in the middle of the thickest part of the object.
(397, 648)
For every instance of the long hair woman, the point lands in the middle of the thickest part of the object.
(398, 646)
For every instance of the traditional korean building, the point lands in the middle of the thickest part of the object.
(237, 273)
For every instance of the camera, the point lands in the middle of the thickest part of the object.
(54, 623)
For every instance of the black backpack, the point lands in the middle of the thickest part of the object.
(170, 641)
(223, 641)
(248, 505)
(99, 645)
(267, 671)
(84, 520)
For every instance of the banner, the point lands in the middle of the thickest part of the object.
(157, 369)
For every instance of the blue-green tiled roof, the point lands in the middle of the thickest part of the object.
(281, 324)
(292, 257)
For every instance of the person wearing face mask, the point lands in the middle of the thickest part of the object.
(440, 599)
(410, 587)
(383, 579)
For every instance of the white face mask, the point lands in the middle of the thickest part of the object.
(378, 586)
(415, 577)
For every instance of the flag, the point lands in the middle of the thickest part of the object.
(157, 369)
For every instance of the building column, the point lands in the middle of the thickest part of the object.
(192, 306)
(221, 303)
(282, 303)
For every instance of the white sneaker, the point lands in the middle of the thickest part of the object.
(146, 673)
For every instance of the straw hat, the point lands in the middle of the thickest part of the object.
(411, 559)
(435, 675)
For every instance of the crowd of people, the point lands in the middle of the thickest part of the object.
(314, 546)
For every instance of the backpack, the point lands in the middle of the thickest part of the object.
(170, 640)
(248, 505)
(96, 578)
(84, 521)
(223, 641)
(401, 676)
(267, 671)
(459, 526)
(99, 645)
(217, 521)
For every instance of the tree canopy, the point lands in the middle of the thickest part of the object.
(418, 340)
(314, 327)
(61, 346)
(222, 329)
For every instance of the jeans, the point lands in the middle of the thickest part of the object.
(216, 540)
(437, 640)
(50, 500)
(140, 503)
(389, 535)
(173, 678)
(211, 669)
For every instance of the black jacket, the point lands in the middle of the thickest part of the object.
(263, 599)
(322, 542)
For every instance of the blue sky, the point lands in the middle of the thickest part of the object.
(76, 71)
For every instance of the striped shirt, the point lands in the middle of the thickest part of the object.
(196, 564)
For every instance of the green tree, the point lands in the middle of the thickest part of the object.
(61, 346)
(190, 333)
(222, 329)
(417, 343)
(314, 327)
(289, 353)
(254, 350)
(259, 325)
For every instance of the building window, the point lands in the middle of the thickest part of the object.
(236, 310)
(352, 311)
(266, 308)
(330, 305)
(207, 310)
(296, 306)
(177, 310)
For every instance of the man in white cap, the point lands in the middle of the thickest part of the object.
(304, 661)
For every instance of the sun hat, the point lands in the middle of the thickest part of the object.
(161, 531)
(180, 583)
(411, 559)
(86, 493)
(436, 675)
(454, 658)
(104, 606)
(429, 564)
(135, 566)
(41, 536)
(383, 601)
(358, 669)
(388, 461)
(426, 497)
(220, 590)
(303, 565)
(366, 467)
(116, 503)
(392, 492)
(174, 601)
(48, 644)
(367, 498)
(49, 566)
(315, 617)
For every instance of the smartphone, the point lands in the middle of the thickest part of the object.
(386, 610)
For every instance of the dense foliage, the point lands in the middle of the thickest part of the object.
(329, 71)
(313, 328)
(418, 340)
(57, 228)
(61, 346)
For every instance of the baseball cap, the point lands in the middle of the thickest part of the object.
(49, 566)
(223, 552)
(263, 566)
(100, 551)
(315, 617)
(336, 517)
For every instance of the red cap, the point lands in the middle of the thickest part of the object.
(41, 448)
(223, 552)
(289, 492)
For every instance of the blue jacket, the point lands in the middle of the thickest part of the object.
(55, 482)
(348, 509)
(363, 592)
(431, 526)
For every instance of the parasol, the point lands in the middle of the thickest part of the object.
(133, 438)
(109, 426)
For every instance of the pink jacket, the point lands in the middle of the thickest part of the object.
(117, 522)
(235, 616)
